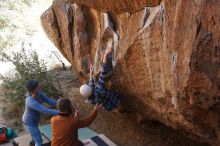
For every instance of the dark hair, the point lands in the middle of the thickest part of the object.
(64, 105)
(31, 85)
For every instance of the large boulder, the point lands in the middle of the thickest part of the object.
(166, 55)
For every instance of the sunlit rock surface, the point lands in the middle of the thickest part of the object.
(166, 55)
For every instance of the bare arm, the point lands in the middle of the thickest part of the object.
(104, 70)
(91, 79)
(107, 52)
(88, 120)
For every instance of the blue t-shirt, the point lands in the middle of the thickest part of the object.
(33, 108)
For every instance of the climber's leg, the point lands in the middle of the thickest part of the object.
(110, 67)
(101, 81)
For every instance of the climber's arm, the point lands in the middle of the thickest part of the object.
(88, 120)
(107, 52)
(91, 79)
(104, 69)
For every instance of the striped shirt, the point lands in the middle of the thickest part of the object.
(100, 94)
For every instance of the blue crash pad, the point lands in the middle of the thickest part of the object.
(83, 133)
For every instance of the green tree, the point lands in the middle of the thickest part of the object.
(27, 66)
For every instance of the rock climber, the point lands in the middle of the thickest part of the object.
(98, 93)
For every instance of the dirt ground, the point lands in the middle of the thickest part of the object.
(123, 128)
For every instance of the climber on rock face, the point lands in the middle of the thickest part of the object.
(98, 94)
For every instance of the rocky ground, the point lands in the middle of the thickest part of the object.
(122, 128)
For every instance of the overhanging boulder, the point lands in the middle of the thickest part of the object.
(166, 55)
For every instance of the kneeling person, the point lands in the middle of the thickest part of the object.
(66, 124)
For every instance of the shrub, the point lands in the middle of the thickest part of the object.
(27, 66)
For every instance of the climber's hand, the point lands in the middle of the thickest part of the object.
(97, 107)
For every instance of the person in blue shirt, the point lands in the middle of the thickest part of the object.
(33, 107)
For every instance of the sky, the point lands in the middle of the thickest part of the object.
(30, 19)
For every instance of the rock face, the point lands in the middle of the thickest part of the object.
(166, 55)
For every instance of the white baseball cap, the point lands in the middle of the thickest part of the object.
(85, 90)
